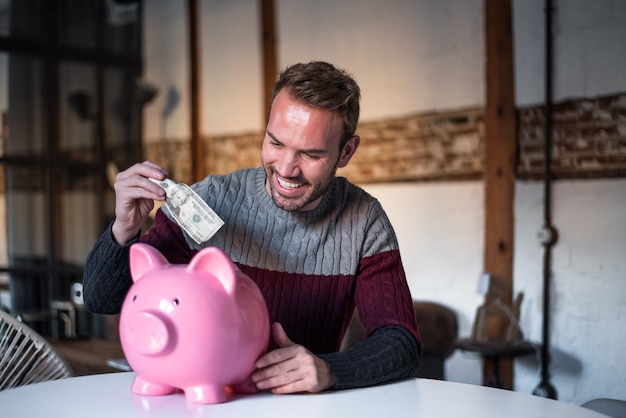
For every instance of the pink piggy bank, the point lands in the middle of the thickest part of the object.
(198, 327)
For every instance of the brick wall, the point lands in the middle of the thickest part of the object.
(439, 146)
(589, 140)
(174, 156)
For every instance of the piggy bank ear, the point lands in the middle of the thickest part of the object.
(215, 262)
(143, 258)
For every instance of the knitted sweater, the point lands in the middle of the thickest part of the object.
(313, 269)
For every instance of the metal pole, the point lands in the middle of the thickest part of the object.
(548, 234)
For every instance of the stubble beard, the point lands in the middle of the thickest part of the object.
(297, 204)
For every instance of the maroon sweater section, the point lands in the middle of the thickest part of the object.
(315, 310)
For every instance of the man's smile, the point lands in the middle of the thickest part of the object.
(289, 184)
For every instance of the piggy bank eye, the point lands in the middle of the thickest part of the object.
(175, 302)
(134, 298)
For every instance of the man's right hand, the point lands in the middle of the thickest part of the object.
(134, 198)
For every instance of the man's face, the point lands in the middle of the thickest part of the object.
(301, 153)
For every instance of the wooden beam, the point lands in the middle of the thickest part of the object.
(198, 171)
(269, 53)
(500, 154)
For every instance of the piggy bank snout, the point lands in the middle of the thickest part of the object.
(147, 333)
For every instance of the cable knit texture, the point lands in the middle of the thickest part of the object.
(312, 267)
(381, 358)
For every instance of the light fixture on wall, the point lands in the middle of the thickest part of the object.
(143, 93)
(122, 12)
(80, 103)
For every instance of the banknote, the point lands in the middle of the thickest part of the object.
(188, 209)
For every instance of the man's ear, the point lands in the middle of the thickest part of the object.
(348, 151)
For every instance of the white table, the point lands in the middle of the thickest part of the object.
(109, 395)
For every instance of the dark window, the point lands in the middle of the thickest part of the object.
(69, 105)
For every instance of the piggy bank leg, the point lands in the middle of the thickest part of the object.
(143, 387)
(209, 393)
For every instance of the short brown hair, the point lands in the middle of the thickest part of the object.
(322, 85)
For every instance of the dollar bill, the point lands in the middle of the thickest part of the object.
(188, 209)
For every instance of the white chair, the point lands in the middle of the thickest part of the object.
(615, 408)
(26, 357)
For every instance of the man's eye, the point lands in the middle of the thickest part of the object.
(314, 156)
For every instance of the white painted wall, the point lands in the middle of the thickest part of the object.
(420, 55)
(230, 58)
(166, 65)
(588, 286)
(589, 60)
(408, 56)
(232, 78)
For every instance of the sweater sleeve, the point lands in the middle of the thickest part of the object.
(391, 353)
(106, 276)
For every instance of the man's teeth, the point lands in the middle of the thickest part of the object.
(288, 185)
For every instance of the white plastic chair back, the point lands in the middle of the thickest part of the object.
(26, 357)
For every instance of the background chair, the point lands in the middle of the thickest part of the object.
(612, 407)
(25, 356)
(438, 327)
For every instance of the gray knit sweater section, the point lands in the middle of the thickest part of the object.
(347, 225)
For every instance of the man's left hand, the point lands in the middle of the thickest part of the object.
(291, 368)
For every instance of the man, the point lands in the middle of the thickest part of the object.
(316, 245)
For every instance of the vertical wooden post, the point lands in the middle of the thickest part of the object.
(500, 154)
(197, 146)
(269, 53)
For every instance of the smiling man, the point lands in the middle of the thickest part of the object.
(317, 245)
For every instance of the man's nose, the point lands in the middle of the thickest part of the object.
(288, 165)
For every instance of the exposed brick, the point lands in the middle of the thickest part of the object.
(174, 156)
(589, 140)
(419, 147)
